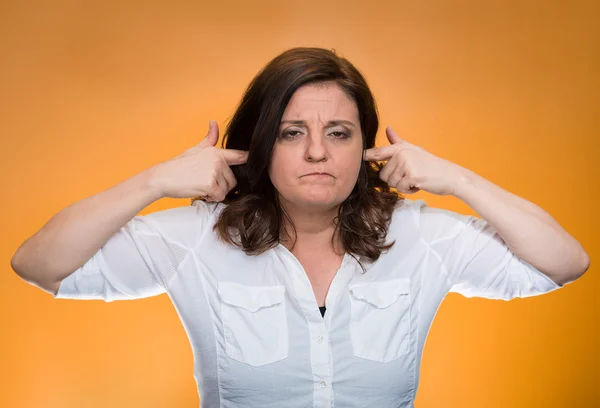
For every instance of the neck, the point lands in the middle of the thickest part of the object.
(313, 227)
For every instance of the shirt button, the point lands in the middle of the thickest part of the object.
(322, 384)
(320, 339)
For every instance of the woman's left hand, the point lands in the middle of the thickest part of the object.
(411, 168)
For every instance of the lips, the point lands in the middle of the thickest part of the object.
(318, 173)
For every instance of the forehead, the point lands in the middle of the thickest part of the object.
(321, 100)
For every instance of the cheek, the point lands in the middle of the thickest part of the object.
(349, 166)
(349, 171)
(281, 165)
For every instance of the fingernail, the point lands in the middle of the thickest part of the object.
(209, 125)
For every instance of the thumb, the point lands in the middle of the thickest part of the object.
(212, 136)
(393, 136)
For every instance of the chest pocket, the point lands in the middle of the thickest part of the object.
(254, 322)
(380, 319)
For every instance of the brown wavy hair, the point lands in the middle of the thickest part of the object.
(253, 217)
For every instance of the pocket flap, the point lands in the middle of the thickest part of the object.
(251, 298)
(381, 294)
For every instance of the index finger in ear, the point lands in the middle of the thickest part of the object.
(233, 156)
(379, 153)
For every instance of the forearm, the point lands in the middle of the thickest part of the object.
(76, 233)
(529, 231)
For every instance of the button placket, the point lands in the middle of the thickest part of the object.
(318, 325)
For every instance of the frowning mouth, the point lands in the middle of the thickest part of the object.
(318, 174)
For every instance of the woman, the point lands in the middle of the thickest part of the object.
(300, 277)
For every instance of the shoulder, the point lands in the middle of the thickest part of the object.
(197, 211)
(404, 217)
(436, 223)
(183, 224)
(406, 210)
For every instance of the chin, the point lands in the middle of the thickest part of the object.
(322, 201)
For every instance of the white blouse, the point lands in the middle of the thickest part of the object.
(257, 335)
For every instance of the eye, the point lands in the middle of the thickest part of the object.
(289, 134)
(340, 135)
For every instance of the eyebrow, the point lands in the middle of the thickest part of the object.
(330, 123)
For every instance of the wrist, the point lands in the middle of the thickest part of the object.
(152, 182)
(464, 182)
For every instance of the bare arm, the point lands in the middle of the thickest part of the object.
(528, 230)
(76, 233)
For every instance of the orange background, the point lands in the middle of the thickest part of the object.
(93, 92)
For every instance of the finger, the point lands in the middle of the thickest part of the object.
(229, 178)
(221, 191)
(396, 178)
(405, 186)
(212, 136)
(210, 190)
(393, 136)
(379, 153)
(390, 167)
(233, 156)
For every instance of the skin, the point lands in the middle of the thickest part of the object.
(316, 146)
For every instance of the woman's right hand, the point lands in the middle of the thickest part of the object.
(202, 170)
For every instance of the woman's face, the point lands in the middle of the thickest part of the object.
(319, 133)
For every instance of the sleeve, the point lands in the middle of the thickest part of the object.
(141, 259)
(477, 261)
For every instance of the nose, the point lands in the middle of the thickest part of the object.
(316, 150)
